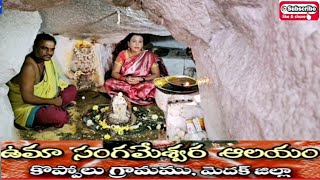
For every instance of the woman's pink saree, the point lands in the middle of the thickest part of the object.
(139, 65)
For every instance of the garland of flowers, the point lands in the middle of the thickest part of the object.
(95, 117)
(84, 59)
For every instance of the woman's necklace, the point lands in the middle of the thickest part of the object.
(131, 54)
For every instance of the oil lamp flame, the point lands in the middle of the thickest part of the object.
(186, 84)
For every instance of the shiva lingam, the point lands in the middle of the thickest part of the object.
(121, 111)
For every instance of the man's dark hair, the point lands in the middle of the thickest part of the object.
(41, 37)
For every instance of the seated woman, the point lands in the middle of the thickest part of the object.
(133, 71)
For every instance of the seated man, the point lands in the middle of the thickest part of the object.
(36, 92)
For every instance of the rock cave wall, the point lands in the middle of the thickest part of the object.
(263, 72)
(15, 44)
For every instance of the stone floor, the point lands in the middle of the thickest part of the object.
(76, 129)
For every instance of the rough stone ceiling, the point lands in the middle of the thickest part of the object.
(107, 21)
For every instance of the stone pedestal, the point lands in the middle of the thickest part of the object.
(177, 109)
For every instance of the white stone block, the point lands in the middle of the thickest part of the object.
(178, 113)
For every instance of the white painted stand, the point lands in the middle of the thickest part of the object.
(177, 109)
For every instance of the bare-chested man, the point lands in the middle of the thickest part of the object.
(35, 93)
